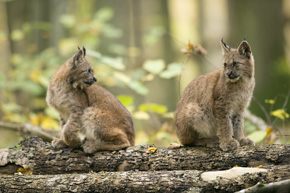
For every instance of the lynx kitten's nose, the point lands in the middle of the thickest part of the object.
(231, 75)
(95, 79)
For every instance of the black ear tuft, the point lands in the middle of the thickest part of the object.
(225, 47)
(84, 50)
(245, 38)
(78, 47)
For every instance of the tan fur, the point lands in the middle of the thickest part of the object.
(87, 108)
(210, 111)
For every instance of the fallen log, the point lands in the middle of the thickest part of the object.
(44, 159)
(150, 181)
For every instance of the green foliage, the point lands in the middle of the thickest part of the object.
(154, 66)
(152, 107)
(269, 135)
(258, 136)
(173, 70)
(138, 87)
(153, 35)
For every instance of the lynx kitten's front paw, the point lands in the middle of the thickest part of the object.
(247, 141)
(89, 146)
(58, 143)
(230, 145)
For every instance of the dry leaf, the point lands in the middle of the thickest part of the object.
(194, 49)
(25, 171)
(151, 150)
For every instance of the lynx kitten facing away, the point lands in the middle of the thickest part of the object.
(210, 111)
(87, 108)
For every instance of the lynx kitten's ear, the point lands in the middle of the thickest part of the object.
(225, 47)
(245, 49)
(78, 57)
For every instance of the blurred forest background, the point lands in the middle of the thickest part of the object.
(134, 47)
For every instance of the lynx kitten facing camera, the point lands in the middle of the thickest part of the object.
(210, 111)
(87, 108)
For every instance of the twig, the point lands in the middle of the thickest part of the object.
(264, 110)
(29, 129)
(259, 122)
(281, 186)
(284, 105)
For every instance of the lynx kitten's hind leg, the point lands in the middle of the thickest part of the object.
(115, 140)
(186, 136)
(92, 146)
(208, 142)
(185, 120)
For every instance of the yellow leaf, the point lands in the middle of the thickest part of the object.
(48, 123)
(91, 172)
(269, 131)
(34, 75)
(44, 121)
(280, 113)
(270, 101)
(152, 149)
(36, 120)
(25, 171)
(236, 166)
(259, 166)
(102, 172)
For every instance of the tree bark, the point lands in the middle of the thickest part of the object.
(150, 181)
(44, 159)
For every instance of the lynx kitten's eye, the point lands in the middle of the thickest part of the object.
(89, 70)
(225, 64)
(235, 62)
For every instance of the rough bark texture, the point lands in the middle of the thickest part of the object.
(45, 159)
(150, 181)
(166, 170)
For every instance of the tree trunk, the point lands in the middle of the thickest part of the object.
(152, 181)
(44, 159)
